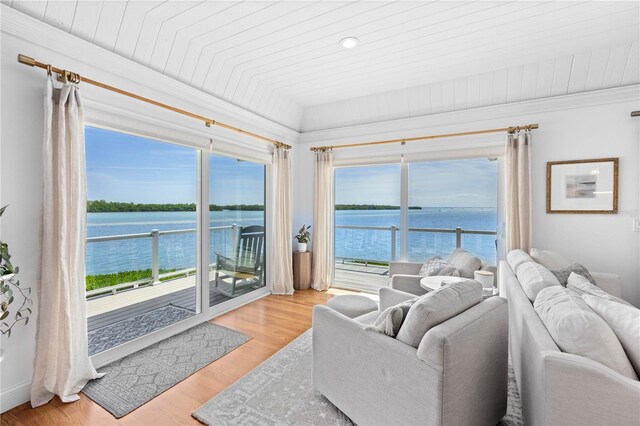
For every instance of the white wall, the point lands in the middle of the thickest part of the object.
(590, 125)
(21, 146)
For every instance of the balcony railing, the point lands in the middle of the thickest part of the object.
(156, 276)
(459, 232)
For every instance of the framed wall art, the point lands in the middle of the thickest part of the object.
(583, 186)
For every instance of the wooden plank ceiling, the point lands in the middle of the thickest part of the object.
(276, 58)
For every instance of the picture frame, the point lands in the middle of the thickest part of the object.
(583, 186)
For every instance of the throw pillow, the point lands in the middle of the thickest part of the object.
(436, 307)
(578, 330)
(449, 271)
(534, 277)
(582, 286)
(624, 321)
(388, 322)
(432, 266)
(563, 274)
(464, 262)
(549, 259)
(515, 258)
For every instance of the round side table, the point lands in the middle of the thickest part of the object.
(435, 282)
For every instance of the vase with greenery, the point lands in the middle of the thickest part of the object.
(15, 300)
(303, 238)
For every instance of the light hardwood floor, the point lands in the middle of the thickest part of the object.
(271, 322)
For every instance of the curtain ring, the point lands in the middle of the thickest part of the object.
(49, 70)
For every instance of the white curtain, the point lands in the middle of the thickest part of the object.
(62, 365)
(282, 270)
(518, 179)
(323, 221)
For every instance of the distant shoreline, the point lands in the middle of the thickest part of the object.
(101, 206)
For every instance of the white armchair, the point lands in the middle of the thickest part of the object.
(457, 375)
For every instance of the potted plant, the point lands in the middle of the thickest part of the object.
(11, 293)
(303, 238)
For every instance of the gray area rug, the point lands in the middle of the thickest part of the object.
(257, 398)
(115, 334)
(135, 379)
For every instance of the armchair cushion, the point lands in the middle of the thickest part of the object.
(464, 262)
(436, 307)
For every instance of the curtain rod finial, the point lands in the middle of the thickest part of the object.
(23, 59)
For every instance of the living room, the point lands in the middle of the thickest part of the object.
(267, 181)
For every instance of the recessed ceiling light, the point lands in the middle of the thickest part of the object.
(349, 42)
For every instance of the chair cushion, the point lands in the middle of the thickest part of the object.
(388, 322)
(625, 323)
(563, 274)
(534, 277)
(464, 262)
(578, 330)
(515, 258)
(436, 307)
(352, 305)
(549, 259)
(582, 286)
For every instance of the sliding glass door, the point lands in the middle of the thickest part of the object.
(456, 206)
(367, 223)
(410, 212)
(141, 251)
(237, 228)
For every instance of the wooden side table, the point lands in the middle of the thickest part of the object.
(301, 270)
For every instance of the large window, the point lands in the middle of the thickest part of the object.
(141, 236)
(446, 204)
(237, 222)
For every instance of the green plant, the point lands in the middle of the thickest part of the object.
(9, 286)
(303, 234)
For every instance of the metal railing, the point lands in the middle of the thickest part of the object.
(155, 235)
(394, 231)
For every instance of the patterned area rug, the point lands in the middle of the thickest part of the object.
(133, 380)
(257, 398)
(112, 335)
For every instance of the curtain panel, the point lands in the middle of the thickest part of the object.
(518, 197)
(62, 364)
(282, 269)
(323, 262)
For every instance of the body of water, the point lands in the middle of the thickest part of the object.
(179, 251)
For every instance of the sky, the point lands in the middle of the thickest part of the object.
(453, 183)
(127, 168)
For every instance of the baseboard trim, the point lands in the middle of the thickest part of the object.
(14, 396)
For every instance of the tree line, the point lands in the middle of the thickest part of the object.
(102, 206)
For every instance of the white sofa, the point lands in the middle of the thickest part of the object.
(558, 388)
(457, 375)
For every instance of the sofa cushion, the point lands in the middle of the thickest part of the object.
(436, 307)
(464, 262)
(515, 258)
(534, 277)
(624, 320)
(549, 259)
(578, 330)
(388, 322)
(582, 286)
(563, 274)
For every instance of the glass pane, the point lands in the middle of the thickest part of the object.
(446, 195)
(237, 235)
(141, 236)
(367, 219)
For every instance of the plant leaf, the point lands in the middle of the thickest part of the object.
(4, 315)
